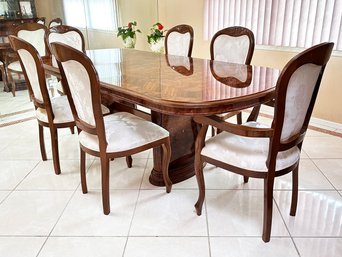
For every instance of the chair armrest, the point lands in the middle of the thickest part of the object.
(240, 130)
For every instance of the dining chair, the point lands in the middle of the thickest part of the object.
(179, 40)
(68, 35)
(55, 22)
(41, 20)
(53, 113)
(235, 45)
(116, 135)
(34, 34)
(259, 151)
(72, 37)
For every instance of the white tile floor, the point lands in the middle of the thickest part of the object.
(42, 214)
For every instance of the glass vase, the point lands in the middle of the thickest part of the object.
(157, 46)
(129, 42)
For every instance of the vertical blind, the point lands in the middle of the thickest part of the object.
(92, 14)
(293, 23)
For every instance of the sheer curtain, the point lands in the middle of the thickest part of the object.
(91, 14)
(293, 23)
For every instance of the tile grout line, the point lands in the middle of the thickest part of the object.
(62, 212)
(48, 236)
(135, 207)
(207, 223)
(287, 228)
(15, 188)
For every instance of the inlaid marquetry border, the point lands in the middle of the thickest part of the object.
(16, 122)
(9, 123)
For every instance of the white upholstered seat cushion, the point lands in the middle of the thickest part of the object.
(247, 152)
(124, 131)
(15, 66)
(1, 63)
(61, 110)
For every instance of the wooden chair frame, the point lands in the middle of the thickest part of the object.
(62, 29)
(29, 27)
(65, 53)
(56, 20)
(3, 73)
(318, 55)
(182, 29)
(17, 44)
(235, 31)
(41, 19)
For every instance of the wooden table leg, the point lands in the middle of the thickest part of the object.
(183, 132)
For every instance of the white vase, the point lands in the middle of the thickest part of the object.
(157, 46)
(129, 42)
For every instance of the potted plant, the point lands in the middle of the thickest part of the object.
(156, 38)
(127, 33)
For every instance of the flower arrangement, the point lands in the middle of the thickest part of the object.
(128, 31)
(156, 33)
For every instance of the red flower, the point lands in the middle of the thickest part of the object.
(130, 24)
(160, 27)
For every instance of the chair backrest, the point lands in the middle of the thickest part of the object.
(55, 22)
(179, 40)
(32, 66)
(68, 35)
(82, 87)
(296, 92)
(41, 20)
(232, 44)
(33, 33)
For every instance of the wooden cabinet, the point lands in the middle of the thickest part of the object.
(17, 9)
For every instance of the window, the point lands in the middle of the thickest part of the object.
(290, 23)
(91, 14)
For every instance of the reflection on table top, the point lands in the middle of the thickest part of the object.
(179, 79)
(180, 85)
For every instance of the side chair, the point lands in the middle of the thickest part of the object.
(41, 20)
(55, 22)
(34, 34)
(116, 135)
(72, 37)
(52, 113)
(68, 35)
(258, 151)
(235, 45)
(179, 40)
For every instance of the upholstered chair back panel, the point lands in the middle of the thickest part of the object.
(70, 38)
(31, 71)
(231, 49)
(35, 38)
(80, 89)
(299, 93)
(178, 43)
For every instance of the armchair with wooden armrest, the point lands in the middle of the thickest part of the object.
(255, 150)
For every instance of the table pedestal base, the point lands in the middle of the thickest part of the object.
(183, 132)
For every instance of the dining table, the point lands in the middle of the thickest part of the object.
(171, 90)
